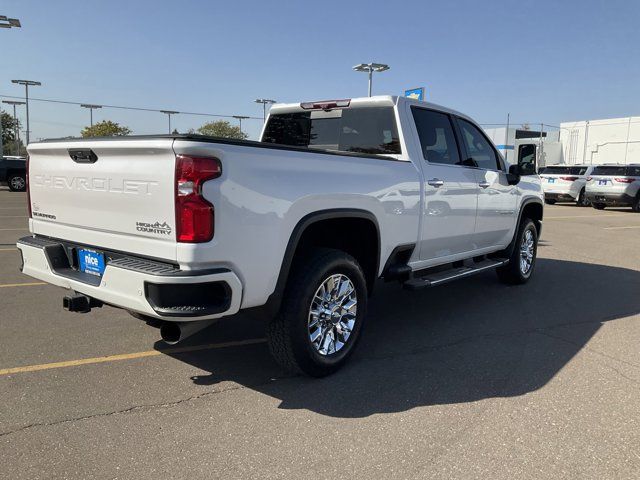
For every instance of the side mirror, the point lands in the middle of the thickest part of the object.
(513, 176)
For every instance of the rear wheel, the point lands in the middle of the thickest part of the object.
(17, 183)
(322, 314)
(636, 205)
(598, 206)
(523, 258)
(582, 199)
(549, 201)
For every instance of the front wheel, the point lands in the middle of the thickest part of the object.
(598, 206)
(549, 201)
(322, 314)
(523, 258)
(17, 183)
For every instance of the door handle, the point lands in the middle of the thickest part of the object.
(484, 184)
(435, 182)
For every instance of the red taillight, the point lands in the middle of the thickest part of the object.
(28, 188)
(589, 179)
(624, 180)
(569, 179)
(194, 215)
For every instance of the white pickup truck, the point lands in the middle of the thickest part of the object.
(337, 194)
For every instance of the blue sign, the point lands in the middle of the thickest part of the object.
(91, 262)
(415, 93)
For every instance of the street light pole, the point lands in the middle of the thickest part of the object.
(264, 102)
(26, 84)
(168, 113)
(240, 118)
(370, 68)
(91, 109)
(16, 133)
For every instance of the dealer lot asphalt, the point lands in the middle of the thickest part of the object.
(469, 380)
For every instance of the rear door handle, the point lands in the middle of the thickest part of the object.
(435, 182)
(484, 184)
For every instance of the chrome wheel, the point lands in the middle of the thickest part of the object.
(332, 314)
(526, 252)
(18, 183)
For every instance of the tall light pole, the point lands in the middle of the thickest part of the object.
(16, 134)
(91, 109)
(168, 113)
(240, 118)
(9, 22)
(264, 102)
(370, 68)
(27, 84)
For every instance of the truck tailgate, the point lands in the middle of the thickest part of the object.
(117, 193)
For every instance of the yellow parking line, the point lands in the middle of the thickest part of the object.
(128, 356)
(606, 215)
(30, 284)
(8, 249)
(621, 228)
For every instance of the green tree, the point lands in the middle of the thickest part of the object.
(106, 128)
(9, 135)
(221, 128)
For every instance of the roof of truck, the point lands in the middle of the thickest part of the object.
(377, 100)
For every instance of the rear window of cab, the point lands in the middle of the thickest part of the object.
(371, 130)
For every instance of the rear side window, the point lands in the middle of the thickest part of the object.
(478, 147)
(437, 139)
(361, 130)
(610, 170)
(634, 171)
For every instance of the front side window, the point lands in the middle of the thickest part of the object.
(370, 130)
(436, 135)
(478, 147)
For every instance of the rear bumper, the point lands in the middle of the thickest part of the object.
(559, 196)
(147, 287)
(621, 199)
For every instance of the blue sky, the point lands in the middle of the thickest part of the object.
(545, 61)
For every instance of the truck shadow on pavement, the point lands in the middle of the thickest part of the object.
(465, 342)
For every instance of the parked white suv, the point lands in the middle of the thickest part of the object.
(566, 183)
(614, 185)
(188, 229)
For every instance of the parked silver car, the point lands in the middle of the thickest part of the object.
(565, 183)
(614, 185)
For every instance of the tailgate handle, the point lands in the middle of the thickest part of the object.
(83, 155)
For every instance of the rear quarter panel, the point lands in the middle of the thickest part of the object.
(264, 192)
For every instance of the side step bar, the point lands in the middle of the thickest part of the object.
(433, 279)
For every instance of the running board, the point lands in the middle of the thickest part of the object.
(433, 279)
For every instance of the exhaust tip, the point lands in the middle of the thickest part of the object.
(170, 333)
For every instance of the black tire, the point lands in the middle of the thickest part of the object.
(151, 321)
(549, 201)
(288, 332)
(512, 273)
(17, 182)
(598, 206)
(582, 199)
(636, 205)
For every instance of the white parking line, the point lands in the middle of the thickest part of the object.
(621, 228)
(606, 215)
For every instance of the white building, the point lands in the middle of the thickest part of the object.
(613, 140)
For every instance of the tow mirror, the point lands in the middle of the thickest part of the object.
(513, 177)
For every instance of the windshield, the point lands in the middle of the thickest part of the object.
(361, 130)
